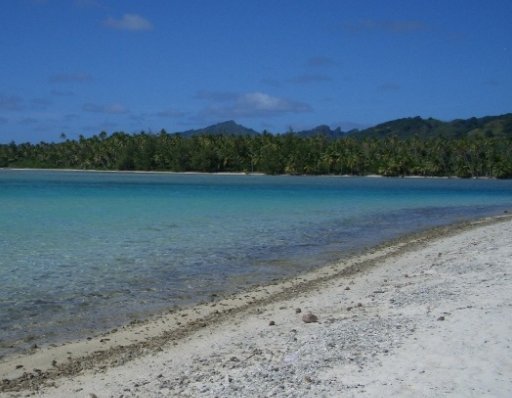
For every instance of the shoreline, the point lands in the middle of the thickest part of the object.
(139, 341)
(241, 173)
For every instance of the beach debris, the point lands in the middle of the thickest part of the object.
(298, 310)
(441, 318)
(271, 323)
(347, 288)
(309, 317)
(92, 395)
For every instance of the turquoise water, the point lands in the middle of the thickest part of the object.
(84, 252)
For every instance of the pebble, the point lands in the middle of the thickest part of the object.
(309, 317)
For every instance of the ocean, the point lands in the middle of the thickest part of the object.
(84, 252)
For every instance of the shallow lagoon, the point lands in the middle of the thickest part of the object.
(83, 252)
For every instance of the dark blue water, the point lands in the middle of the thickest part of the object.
(82, 252)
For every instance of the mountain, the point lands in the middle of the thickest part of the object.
(402, 128)
(322, 130)
(407, 127)
(229, 127)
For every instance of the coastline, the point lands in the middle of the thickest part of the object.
(234, 173)
(130, 171)
(139, 344)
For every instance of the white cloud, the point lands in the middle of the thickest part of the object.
(266, 103)
(253, 104)
(129, 22)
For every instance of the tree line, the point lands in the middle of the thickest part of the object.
(468, 156)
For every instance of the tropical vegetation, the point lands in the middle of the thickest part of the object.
(484, 153)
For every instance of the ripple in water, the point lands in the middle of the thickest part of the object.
(85, 252)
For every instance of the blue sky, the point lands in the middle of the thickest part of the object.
(86, 66)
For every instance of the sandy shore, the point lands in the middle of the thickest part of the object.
(426, 316)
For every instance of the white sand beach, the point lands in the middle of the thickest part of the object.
(427, 316)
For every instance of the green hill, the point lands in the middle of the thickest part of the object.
(488, 126)
(229, 127)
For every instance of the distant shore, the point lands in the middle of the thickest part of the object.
(130, 171)
(235, 173)
(398, 293)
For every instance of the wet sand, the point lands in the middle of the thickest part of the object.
(426, 315)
